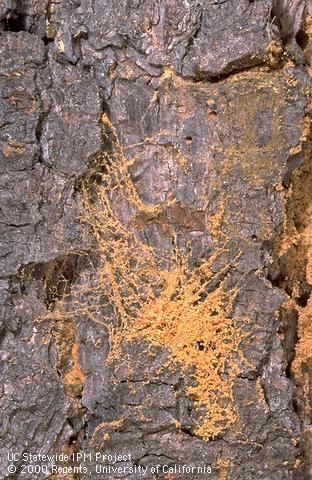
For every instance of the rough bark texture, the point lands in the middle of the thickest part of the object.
(156, 234)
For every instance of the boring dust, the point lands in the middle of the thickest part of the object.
(157, 298)
(293, 249)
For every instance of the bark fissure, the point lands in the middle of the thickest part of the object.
(291, 271)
